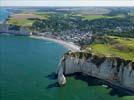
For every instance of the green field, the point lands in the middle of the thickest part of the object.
(22, 19)
(114, 46)
(22, 22)
(93, 17)
(43, 15)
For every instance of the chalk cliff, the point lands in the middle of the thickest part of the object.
(111, 69)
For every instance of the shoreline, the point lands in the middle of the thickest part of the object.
(69, 45)
(73, 47)
(106, 82)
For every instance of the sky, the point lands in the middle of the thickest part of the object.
(67, 3)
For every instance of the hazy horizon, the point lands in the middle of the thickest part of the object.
(67, 3)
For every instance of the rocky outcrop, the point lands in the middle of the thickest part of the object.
(61, 77)
(111, 69)
(14, 29)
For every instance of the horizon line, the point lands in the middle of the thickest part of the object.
(67, 3)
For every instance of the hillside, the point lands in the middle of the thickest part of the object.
(112, 46)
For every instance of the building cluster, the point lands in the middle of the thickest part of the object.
(77, 37)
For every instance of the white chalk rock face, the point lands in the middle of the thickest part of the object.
(61, 79)
(111, 69)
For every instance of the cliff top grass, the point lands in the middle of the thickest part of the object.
(113, 46)
(26, 19)
(93, 17)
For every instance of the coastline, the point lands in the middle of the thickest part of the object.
(69, 45)
(74, 47)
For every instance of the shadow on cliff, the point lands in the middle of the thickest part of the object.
(92, 81)
(52, 76)
(53, 85)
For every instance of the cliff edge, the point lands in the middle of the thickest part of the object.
(112, 69)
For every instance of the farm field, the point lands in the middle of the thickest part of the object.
(26, 19)
(114, 46)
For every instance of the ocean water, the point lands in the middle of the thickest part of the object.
(3, 14)
(27, 69)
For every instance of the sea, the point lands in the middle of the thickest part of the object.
(3, 14)
(27, 72)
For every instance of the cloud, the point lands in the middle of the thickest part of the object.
(66, 3)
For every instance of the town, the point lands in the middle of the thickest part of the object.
(69, 26)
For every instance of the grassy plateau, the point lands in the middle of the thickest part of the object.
(113, 46)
